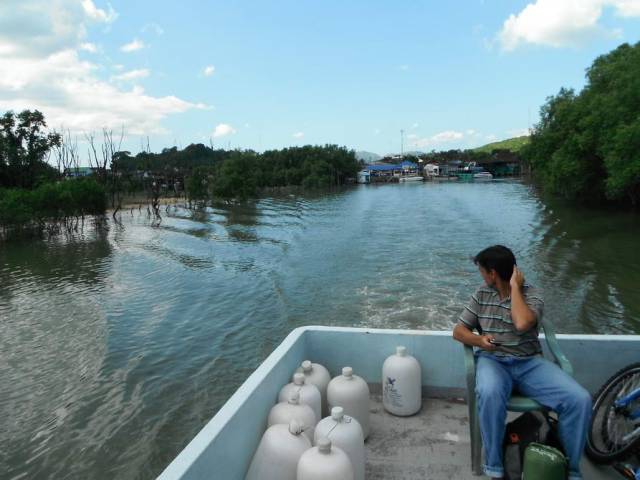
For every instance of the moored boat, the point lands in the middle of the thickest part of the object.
(482, 176)
(411, 178)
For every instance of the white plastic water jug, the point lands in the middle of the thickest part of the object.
(292, 409)
(344, 432)
(309, 394)
(324, 462)
(401, 383)
(317, 375)
(278, 453)
(350, 392)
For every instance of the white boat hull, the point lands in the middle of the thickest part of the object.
(224, 447)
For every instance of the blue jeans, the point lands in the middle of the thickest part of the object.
(537, 378)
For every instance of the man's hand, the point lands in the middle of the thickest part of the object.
(484, 342)
(517, 278)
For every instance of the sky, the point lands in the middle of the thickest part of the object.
(272, 74)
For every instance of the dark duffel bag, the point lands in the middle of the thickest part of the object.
(528, 428)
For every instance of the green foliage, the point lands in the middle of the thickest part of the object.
(587, 146)
(51, 202)
(198, 184)
(239, 174)
(24, 147)
(512, 144)
(236, 177)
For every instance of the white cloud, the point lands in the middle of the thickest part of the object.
(41, 69)
(414, 126)
(223, 130)
(88, 47)
(491, 137)
(471, 132)
(298, 135)
(209, 70)
(132, 46)
(41, 27)
(98, 14)
(153, 27)
(519, 132)
(447, 136)
(376, 131)
(412, 136)
(404, 67)
(132, 74)
(627, 8)
(562, 23)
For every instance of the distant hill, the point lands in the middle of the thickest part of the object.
(513, 144)
(368, 157)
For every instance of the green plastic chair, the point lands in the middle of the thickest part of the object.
(517, 403)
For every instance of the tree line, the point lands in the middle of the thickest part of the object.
(586, 146)
(31, 194)
(37, 188)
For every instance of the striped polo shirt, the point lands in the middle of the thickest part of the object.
(490, 315)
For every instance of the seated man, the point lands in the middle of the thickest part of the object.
(505, 312)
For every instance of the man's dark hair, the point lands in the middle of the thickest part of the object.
(498, 258)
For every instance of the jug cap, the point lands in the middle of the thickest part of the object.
(295, 427)
(401, 351)
(298, 378)
(337, 413)
(324, 445)
(307, 366)
(347, 372)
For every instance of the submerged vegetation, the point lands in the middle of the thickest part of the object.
(36, 196)
(586, 146)
(32, 197)
(240, 174)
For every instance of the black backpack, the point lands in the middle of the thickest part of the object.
(528, 428)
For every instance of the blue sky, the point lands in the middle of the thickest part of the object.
(451, 74)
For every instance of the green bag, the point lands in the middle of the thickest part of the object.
(542, 462)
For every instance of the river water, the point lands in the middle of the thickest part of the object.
(118, 344)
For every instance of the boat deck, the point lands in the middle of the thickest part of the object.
(431, 445)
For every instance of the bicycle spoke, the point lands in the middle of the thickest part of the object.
(613, 432)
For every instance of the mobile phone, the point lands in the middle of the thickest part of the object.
(493, 341)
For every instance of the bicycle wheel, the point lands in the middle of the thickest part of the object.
(613, 434)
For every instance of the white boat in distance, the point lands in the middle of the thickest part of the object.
(411, 178)
(482, 176)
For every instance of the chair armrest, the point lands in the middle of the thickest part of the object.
(470, 367)
(554, 348)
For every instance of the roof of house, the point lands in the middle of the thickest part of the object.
(386, 167)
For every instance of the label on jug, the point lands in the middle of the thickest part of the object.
(391, 394)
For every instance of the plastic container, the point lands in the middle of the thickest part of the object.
(292, 409)
(401, 383)
(350, 392)
(309, 394)
(278, 453)
(324, 462)
(344, 432)
(543, 461)
(317, 375)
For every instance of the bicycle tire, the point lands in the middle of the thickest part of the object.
(600, 447)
